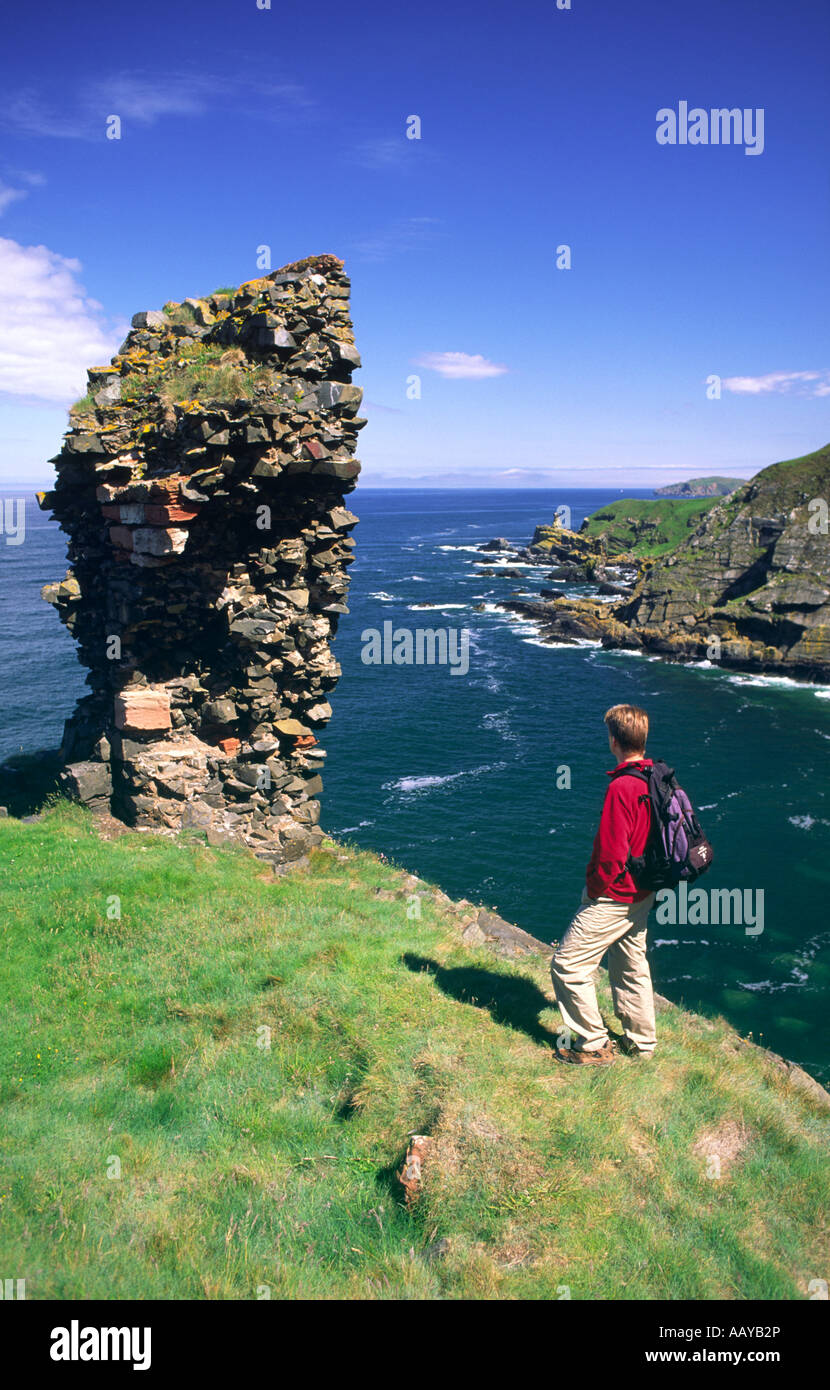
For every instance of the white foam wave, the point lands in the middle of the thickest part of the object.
(806, 822)
(821, 692)
(508, 564)
(427, 783)
(668, 942)
(499, 723)
(631, 651)
(711, 805)
(473, 549)
(493, 685)
(433, 607)
(770, 987)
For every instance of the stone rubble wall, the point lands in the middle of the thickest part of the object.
(208, 549)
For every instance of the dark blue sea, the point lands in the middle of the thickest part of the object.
(455, 776)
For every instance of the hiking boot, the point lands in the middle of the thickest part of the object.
(631, 1049)
(601, 1056)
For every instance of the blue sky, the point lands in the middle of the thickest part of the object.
(287, 127)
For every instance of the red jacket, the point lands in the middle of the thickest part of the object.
(623, 830)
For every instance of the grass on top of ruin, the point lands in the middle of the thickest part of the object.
(209, 1075)
(203, 371)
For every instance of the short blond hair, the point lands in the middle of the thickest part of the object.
(628, 726)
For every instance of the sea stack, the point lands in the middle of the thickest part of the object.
(201, 485)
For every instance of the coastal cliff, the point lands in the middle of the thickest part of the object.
(743, 581)
(201, 485)
(755, 575)
(700, 487)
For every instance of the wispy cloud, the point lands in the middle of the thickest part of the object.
(50, 330)
(389, 153)
(633, 476)
(460, 365)
(780, 383)
(368, 406)
(405, 234)
(9, 195)
(146, 98)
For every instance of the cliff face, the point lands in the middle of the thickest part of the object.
(755, 574)
(700, 487)
(201, 485)
(748, 586)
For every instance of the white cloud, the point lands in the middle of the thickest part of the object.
(460, 365)
(9, 195)
(389, 153)
(406, 234)
(780, 383)
(50, 331)
(147, 98)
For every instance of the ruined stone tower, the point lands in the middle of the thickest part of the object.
(201, 486)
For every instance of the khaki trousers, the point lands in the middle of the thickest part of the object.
(600, 925)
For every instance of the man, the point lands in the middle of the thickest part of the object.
(613, 914)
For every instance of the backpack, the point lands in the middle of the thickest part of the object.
(676, 848)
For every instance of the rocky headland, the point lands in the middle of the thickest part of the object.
(747, 586)
(714, 486)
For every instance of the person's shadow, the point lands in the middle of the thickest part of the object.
(510, 999)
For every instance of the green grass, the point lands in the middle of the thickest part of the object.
(134, 1045)
(206, 373)
(213, 381)
(639, 526)
(199, 371)
(180, 313)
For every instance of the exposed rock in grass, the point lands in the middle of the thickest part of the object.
(411, 1175)
(721, 1146)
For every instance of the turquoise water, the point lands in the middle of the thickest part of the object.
(455, 776)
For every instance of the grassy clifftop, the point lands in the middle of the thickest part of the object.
(212, 1093)
(639, 526)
